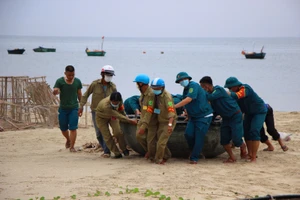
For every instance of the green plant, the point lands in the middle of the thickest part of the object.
(56, 198)
(73, 196)
(107, 194)
(98, 193)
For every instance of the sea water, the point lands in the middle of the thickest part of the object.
(275, 78)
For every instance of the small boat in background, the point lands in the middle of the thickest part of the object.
(43, 49)
(254, 55)
(15, 51)
(96, 52)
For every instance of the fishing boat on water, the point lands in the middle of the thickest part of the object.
(96, 52)
(15, 51)
(254, 55)
(43, 49)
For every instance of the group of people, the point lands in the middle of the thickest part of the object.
(243, 114)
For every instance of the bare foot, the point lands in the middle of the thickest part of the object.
(251, 160)
(284, 148)
(72, 149)
(68, 144)
(230, 160)
(244, 153)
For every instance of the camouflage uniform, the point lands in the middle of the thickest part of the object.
(164, 110)
(105, 116)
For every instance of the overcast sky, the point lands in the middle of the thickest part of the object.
(151, 18)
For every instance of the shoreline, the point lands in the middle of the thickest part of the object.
(34, 163)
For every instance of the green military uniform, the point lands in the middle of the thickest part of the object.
(164, 110)
(105, 116)
(99, 92)
(146, 101)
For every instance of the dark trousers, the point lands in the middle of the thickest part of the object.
(270, 126)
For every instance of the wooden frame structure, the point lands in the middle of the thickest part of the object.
(26, 102)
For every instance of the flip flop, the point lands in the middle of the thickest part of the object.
(193, 162)
(284, 148)
(266, 149)
(73, 150)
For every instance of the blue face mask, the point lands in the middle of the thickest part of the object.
(184, 83)
(157, 92)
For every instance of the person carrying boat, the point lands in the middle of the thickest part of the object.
(108, 113)
(147, 120)
(177, 98)
(270, 124)
(199, 113)
(254, 110)
(132, 106)
(69, 90)
(232, 118)
(166, 122)
(100, 89)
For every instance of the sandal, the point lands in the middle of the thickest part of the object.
(105, 155)
(267, 149)
(117, 156)
(193, 162)
(72, 150)
(284, 148)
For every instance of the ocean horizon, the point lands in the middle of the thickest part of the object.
(274, 78)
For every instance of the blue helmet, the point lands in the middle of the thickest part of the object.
(157, 82)
(142, 78)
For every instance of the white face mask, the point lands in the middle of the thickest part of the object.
(114, 106)
(107, 78)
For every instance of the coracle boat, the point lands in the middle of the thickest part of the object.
(95, 52)
(177, 142)
(15, 51)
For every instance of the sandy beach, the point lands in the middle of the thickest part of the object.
(35, 164)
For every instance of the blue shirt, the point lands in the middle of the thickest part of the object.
(131, 104)
(199, 106)
(222, 103)
(249, 101)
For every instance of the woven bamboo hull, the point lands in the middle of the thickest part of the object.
(177, 142)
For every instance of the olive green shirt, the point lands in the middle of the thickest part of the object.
(106, 111)
(164, 107)
(99, 92)
(147, 107)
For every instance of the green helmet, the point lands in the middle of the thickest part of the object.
(182, 75)
(231, 82)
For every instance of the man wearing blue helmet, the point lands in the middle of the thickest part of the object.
(147, 118)
(199, 114)
(166, 122)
